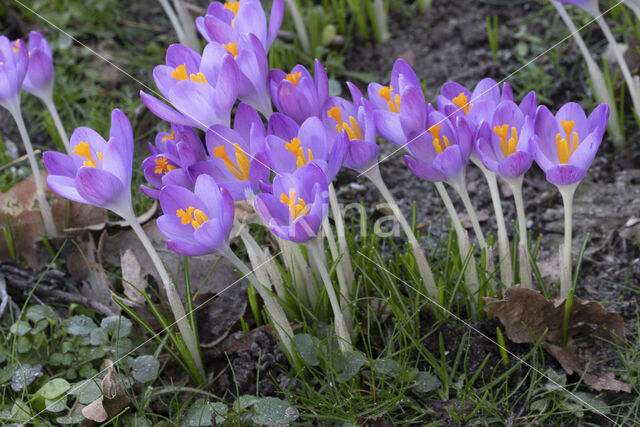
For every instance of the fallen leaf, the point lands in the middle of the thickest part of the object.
(113, 399)
(132, 279)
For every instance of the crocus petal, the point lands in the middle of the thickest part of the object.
(574, 112)
(99, 187)
(487, 90)
(65, 187)
(423, 170)
(168, 113)
(39, 78)
(210, 234)
(529, 104)
(187, 249)
(515, 165)
(450, 162)
(59, 164)
(322, 82)
(565, 174)
(598, 120)
(389, 127)
(583, 156)
(275, 21)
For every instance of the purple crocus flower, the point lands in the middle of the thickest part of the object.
(39, 77)
(590, 6)
(565, 144)
(356, 119)
(505, 147)
(399, 109)
(289, 146)
(297, 94)
(171, 155)
(14, 61)
(198, 222)
(98, 172)
(442, 152)
(253, 68)
(237, 163)
(224, 22)
(297, 205)
(202, 89)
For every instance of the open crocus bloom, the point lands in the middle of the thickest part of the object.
(225, 21)
(357, 121)
(399, 109)
(14, 61)
(297, 205)
(253, 68)
(98, 172)
(505, 147)
(289, 146)
(237, 161)
(172, 154)
(39, 77)
(441, 153)
(198, 222)
(201, 89)
(297, 94)
(565, 145)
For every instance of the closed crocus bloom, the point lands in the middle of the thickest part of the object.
(39, 77)
(507, 148)
(298, 204)
(202, 90)
(237, 161)
(565, 144)
(196, 222)
(224, 22)
(356, 120)
(253, 68)
(171, 155)
(98, 172)
(289, 146)
(14, 61)
(590, 6)
(297, 94)
(442, 152)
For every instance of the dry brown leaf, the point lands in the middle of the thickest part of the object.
(132, 278)
(527, 314)
(113, 399)
(244, 211)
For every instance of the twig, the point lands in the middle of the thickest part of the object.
(18, 160)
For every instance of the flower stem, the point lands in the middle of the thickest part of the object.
(298, 22)
(523, 246)
(458, 184)
(506, 271)
(181, 319)
(599, 85)
(45, 210)
(342, 282)
(277, 314)
(316, 257)
(471, 275)
(631, 83)
(373, 173)
(566, 282)
(345, 261)
(51, 106)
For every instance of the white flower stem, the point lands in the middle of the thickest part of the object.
(51, 106)
(173, 297)
(631, 83)
(600, 87)
(301, 274)
(523, 246)
(175, 22)
(298, 22)
(188, 25)
(471, 274)
(316, 256)
(634, 5)
(345, 293)
(277, 314)
(45, 210)
(566, 280)
(345, 261)
(458, 183)
(506, 271)
(373, 173)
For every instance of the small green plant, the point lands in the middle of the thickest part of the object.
(493, 35)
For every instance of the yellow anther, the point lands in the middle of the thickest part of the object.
(294, 147)
(233, 6)
(83, 150)
(16, 46)
(232, 48)
(385, 92)
(293, 77)
(192, 216)
(199, 78)
(171, 136)
(462, 101)
(180, 73)
(353, 129)
(508, 145)
(239, 170)
(437, 140)
(163, 166)
(566, 146)
(295, 209)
